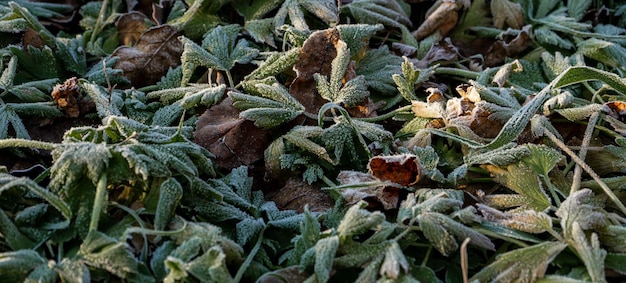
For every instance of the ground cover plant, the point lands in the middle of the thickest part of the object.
(313, 141)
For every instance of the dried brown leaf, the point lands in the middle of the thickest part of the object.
(403, 169)
(442, 19)
(130, 27)
(508, 47)
(316, 56)
(507, 12)
(296, 193)
(157, 50)
(65, 95)
(617, 110)
(234, 141)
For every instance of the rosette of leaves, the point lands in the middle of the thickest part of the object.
(120, 163)
(148, 164)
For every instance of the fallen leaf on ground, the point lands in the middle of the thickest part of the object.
(234, 141)
(403, 169)
(130, 27)
(156, 51)
(316, 56)
(443, 51)
(296, 193)
(384, 193)
(508, 46)
(442, 19)
(507, 12)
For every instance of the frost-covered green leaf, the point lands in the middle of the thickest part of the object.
(388, 13)
(16, 265)
(170, 194)
(325, 10)
(101, 251)
(589, 251)
(274, 105)
(333, 89)
(275, 64)
(358, 220)
(524, 181)
(444, 233)
(190, 96)
(581, 208)
(521, 265)
(410, 77)
(325, 250)
(199, 17)
(300, 137)
(357, 36)
(378, 66)
(220, 49)
(395, 263)
(529, 221)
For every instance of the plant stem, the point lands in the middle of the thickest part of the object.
(386, 115)
(98, 26)
(98, 202)
(457, 72)
(5, 143)
(230, 79)
(582, 153)
(587, 169)
(251, 255)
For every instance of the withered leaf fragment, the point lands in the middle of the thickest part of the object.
(65, 96)
(157, 50)
(233, 140)
(403, 169)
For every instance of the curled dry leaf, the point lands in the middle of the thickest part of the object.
(65, 95)
(316, 56)
(442, 19)
(403, 169)
(507, 12)
(157, 50)
(130, 27)
(386, 194)
(508, 46)
(443, 51)
(296, 193)
(234, 141)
